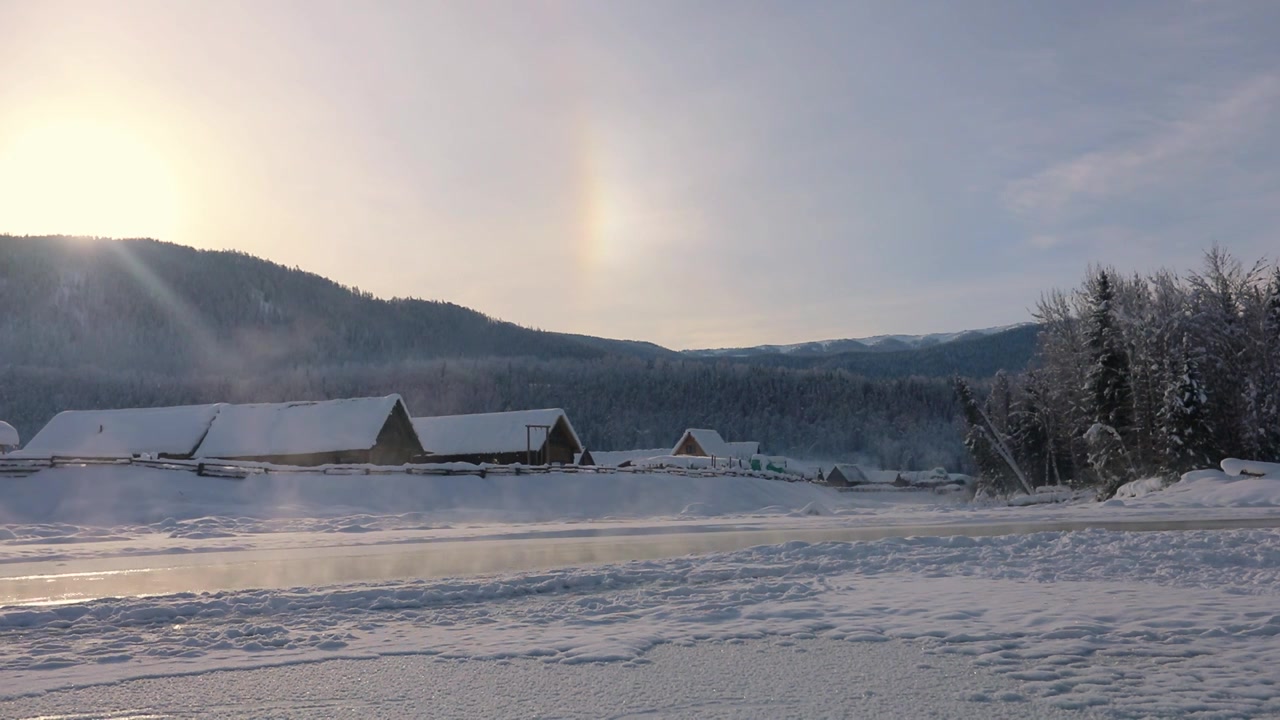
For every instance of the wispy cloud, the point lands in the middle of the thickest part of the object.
(1176, 152)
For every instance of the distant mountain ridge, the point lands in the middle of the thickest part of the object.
(875, 343)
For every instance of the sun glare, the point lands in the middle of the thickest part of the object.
(85, 178)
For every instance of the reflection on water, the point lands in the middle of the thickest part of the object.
(260, 569)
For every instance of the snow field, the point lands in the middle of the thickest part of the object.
(1133, 624)
(768, 678)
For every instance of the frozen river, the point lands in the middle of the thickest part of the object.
(47, 582)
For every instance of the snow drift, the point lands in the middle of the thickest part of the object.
(122, 495)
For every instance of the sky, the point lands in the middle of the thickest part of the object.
(697, 174)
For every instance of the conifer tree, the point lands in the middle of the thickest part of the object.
(1108, 381)
(1185, 424)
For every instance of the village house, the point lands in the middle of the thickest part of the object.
(373, 430)
(700, 442)
(529, 437)
(849, 475)
(846, 475)
(163, 432)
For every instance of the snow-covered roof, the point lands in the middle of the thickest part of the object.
(709, 440)
(8, 435)
(297, 428)
(500, 432)
(123, 433)
(614, 458)
(743, 450)
(881, 477)
(850, 472)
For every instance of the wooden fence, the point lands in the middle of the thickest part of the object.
(22, 467)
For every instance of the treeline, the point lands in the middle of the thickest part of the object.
(615, 403)
(1138, 376)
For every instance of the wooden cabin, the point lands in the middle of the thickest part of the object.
(524, 437)
(700, 442)
(376, 431)
(845, 475)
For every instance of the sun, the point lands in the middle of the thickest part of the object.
(81, 177)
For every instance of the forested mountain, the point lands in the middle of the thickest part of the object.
(101, 324)
(976, 356)
(147, 305)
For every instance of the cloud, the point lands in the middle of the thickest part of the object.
(1045, 241)
(1186, 149)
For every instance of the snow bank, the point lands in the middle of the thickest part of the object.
(1240, 484)
(1045, 495)
(1140, 488)
(1254, 468)
(108, 496)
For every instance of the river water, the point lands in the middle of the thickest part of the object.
(46, 583)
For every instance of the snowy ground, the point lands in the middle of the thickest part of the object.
(1135, 624)
(1113, 624)
(771, 677)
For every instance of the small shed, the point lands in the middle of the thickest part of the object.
(625, 458)
(846, 475)
(8, 438)
(164, 432)
(531, 437)
(375, 430)
(584, 458)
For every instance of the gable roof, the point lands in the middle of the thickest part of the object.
(850, 472)
(881, 477)
(8, 435)
(500, 432)
(123, 433)
(297, 428)
(709, 440)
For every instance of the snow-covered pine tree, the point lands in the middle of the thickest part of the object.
(1188, 436)
(1109, 389)
(1108, 382)
(1269, 372)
